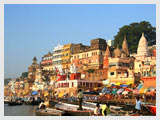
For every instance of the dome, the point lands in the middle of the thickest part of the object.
(117, 52)
(142, 46)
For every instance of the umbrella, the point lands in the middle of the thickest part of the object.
(128, 83)
(143, 90)
(140, 86)
(136, 91)
(46, 94)
(123, 85)
(125, 92)
(107, 91)
(114, 92)
(120, 90)
(104, 89)
(128, 89)
(34, 93)
(118, 83)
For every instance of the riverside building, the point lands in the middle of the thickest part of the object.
(89, 57)
(145, 63)
(46, 62)
(57, 56)
(66, 56)
(120, 70)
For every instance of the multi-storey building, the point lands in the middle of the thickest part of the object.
(46, 62)
(121, 66)
(57, 57)
(32, 70)
(89, 57)
(66, 55)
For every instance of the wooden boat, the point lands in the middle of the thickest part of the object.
(14, 103)
(72, 110)
(6, 101)
(32, 102)
(48, 112)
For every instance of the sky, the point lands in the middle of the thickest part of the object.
(34, 30)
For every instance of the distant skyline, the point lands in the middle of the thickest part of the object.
(34, 30)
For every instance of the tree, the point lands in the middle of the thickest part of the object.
(133, 34)
(24, 75)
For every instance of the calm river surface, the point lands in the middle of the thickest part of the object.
(21, 110)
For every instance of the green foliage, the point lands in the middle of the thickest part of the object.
(6, 81)
(24, 75)
(90, 70)
(133, 34)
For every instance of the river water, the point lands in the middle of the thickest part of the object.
(19, 110)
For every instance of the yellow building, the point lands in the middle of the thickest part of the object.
(66, 55)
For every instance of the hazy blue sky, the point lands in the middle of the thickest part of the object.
(33, 30)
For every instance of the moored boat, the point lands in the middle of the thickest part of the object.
(72, 110)
(48, 112)
(14, 103)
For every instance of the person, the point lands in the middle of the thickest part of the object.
(138, 107)
(42, 105)
(105, 109)
(97, 110)
(80, 98)
(46, 103)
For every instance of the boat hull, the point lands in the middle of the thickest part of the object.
(48, 112)
(14, 103)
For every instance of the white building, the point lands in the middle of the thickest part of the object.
(57, 56)
(110, 42)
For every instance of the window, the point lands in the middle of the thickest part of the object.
(87, 84)
(139, 65)
(111, 73)
(72, 84)
(84, 84)
(119, 72)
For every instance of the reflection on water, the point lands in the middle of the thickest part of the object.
(22, 110)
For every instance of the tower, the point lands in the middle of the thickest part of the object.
(142, 50)
(117, 52)
(106, 56)
(125, 47)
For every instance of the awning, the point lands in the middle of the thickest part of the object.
(34, 93)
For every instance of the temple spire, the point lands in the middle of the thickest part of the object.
(107, 53)
(125, 46)
(142, 50)
(117, 52)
